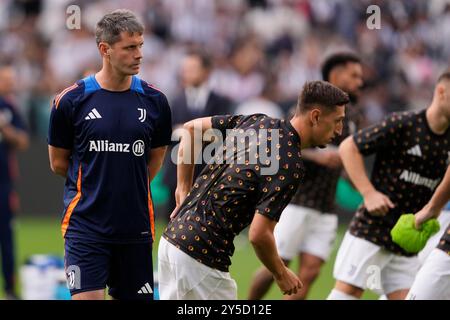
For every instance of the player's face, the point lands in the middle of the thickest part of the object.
(329, 125)
(446, 97)
(193, 73)
(350, 79)
(126, 54)
(7, 80)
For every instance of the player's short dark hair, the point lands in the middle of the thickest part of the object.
(203, 56)
(113, 24)
(445, 76)
(321, 93)
(337, 60)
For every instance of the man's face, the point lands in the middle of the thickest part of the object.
(126, 55)
(349, 78)
(328, 126)
(7, 80)
(193, 74)
(444, 96)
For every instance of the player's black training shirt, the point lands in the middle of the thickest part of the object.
(225, 197)
(409, 164)
(318, 187)
(444, 243)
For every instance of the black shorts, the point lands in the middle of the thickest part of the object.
(126, 269)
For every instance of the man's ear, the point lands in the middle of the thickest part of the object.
(104, 49)
(315, 116)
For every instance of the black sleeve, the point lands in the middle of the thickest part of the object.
(276, 193)
(225, 122)
(380, 135)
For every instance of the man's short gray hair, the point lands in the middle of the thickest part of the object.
(111, 25)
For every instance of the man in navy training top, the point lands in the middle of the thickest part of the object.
(108, 135)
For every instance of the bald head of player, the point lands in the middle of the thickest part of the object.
(320, 112)
(119, 37)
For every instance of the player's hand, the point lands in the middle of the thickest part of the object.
(180, 195)
(288, 282)
(377, 203)
(329, 159)
(423, 215)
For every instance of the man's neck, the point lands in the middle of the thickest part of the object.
(199, 87)
(302, 130)
(197, 97)
(437, 121)
(110, 80)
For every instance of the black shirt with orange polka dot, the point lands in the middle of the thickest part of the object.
(410, 162)
(226, 196)
(444, 242)
(318, 188)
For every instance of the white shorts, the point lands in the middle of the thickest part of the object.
(181, 277)
(444, 221)
(365, 265)
(306, 230)
(433, 279)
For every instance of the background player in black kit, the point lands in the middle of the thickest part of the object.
(195, 250)
(412, 152)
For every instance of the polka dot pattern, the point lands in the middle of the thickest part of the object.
(444, 243)
(410, 162)
(225, 197)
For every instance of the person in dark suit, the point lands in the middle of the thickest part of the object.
(196, 100)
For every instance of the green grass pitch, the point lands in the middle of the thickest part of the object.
(42, 236)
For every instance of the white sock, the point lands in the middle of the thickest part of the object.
(339, 295)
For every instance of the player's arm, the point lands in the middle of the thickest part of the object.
(328, 158)
(189, 149)
(59, 160)
(263, 241)
(437, 202)
(353, 161)
(14, 136)
(155, 163)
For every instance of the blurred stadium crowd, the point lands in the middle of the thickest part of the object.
(258, 47)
